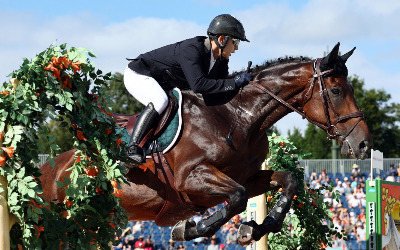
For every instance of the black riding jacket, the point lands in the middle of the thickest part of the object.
(185, 65)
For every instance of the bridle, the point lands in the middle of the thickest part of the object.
(330, 128)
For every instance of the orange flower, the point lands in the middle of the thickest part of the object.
(78, 159)
(1, 135)
(295, 197)
(33, 202)
(280, 190)
(111, 225)
(323, 246)
(54, 60)
(91, 172)
(67, 83)
(68, 203)
(64, 62)
(117, 192)
(108, 131)
(282, 144)
(5, 93)
(76, 66)
(119, 142)
(99, 190)
(114, 183)
(269, 197)
(49, 67)
(9, 151)
(73, 125)
(2, 160)
(39, 229)
(80, 135)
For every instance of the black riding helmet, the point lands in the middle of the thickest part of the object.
(226, 24)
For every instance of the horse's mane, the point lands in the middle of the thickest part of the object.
(273, 63)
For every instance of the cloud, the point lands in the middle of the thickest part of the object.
(29, 35)
(274, 28)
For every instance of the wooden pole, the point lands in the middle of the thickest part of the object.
(257, 211)
(6, 220)
(4, 213)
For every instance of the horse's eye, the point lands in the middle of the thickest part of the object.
(335, 91)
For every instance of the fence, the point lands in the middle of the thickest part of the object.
(344, 165)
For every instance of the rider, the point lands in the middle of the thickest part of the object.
(199, 64)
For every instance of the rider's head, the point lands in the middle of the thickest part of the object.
(226, 32)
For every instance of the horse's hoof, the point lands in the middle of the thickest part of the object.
(178, 231)
(245, 233)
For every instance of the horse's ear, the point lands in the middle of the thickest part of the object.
(331, 57)
(347, 55)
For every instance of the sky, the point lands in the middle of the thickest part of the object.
(120, 29)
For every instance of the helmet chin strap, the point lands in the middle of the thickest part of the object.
(221, 46)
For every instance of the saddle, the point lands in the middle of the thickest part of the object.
(128, 122)
(157, 142)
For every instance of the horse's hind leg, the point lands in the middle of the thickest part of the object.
(207, 180)
(251, 231)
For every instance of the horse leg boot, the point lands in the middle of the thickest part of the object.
(146, 121)
(188, 230)
(251, 231)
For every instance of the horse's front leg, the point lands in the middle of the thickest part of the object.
(208, 181)
(269, 180)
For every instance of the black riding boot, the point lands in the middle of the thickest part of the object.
(146, 121)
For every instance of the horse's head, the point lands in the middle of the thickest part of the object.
(339, 116)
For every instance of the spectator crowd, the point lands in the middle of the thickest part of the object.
(348, 214)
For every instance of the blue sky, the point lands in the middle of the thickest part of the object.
(114, 30)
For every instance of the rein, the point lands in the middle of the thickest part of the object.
(330, 128)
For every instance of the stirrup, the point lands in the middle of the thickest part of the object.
(136, 154)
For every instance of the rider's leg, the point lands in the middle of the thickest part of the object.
(147, 91)
(146, 121)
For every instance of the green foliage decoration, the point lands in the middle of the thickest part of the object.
(62, 84)
(309, 213)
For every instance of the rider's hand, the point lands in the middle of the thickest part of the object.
(243, 79)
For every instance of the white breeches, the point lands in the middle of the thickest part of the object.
(145, 89)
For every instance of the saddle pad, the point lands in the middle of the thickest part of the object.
(168, 138)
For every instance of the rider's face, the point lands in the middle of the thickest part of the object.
(229, 48)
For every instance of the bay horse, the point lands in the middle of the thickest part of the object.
(209, 170)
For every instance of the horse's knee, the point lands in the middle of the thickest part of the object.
(239, 199)
(291, 185)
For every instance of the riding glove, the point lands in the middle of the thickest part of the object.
(243, 79)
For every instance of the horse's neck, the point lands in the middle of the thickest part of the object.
(289, 83)
(255, 110)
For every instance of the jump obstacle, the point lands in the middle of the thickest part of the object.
(383, 215)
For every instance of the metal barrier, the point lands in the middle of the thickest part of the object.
(344, 165)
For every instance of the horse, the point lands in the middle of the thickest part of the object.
(211, 168)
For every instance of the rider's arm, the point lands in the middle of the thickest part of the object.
(191, 60)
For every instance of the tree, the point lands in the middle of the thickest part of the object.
(314, 141)
(380, 115)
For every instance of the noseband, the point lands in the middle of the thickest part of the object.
(330, 128)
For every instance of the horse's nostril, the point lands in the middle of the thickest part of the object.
(362, 145)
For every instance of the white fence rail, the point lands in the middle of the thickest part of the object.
(344, 165)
